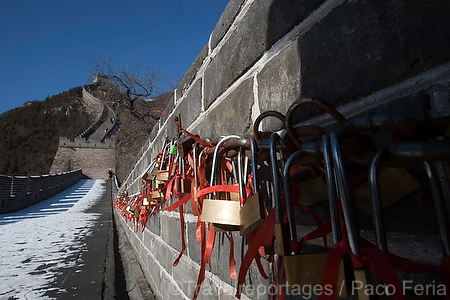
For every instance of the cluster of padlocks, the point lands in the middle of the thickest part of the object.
(220, 178)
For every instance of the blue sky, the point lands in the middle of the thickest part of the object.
(46, 44)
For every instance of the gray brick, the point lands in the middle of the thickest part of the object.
(188, 78)
(191, 106)
(265, 23)
(363, 46)
(279, 85)
(236, 108)
(208, 290)
(167, 290)
(155, 272)
(225, 21)
(153, 223)
(186, 275)
(166, 256)
(193, 246)
(171, 231)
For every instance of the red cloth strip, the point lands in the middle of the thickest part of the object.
(183, 243)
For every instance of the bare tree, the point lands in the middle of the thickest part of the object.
(124, 86)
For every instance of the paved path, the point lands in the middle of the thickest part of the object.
(61, 248)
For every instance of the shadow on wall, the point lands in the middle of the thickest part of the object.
(360, 46)
(52, 206)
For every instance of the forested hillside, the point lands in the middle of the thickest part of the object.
(29, 135)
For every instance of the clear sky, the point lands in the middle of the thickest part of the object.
(46, 44)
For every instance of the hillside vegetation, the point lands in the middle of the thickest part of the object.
(29, 135)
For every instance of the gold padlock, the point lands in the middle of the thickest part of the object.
(183, 185)
(225, 212)
(150, 173)
(253, 210)
(305, 270)
(134, 211)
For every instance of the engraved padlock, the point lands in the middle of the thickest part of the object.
(218, 211)
(305, 270)
(253, 210)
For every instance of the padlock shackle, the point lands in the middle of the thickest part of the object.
(287, 194)
(439, 205)
(215, 157)
(194, 158)
(325, 105)
(253, 147)
(242, 194)
(348, 208)
(332, 190)
(375, 197)
(270, 113)
(274, 137)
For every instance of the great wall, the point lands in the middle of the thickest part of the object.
(362, 57)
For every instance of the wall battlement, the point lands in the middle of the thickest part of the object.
(65, 142)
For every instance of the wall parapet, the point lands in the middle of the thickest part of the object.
(18, 192)
(65, 142)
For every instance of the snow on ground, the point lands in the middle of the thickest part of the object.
(37, 241)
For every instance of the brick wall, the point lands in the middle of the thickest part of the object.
(360, 56)
(94, 106)
(95, 158)
(19, 192)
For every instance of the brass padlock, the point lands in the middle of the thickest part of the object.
(253, 210)
(150, 173)
(183, 184)
(146, 201)
(305, 270)
(163, 173)
(149, 201)
(225, 212)
(134, 211)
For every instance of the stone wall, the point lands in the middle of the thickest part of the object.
(19, 192)
(360, 56)
(95, 158)
(93, 105)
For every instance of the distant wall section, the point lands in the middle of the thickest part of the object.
(19, 192)
(94, 158)
(94, 105)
